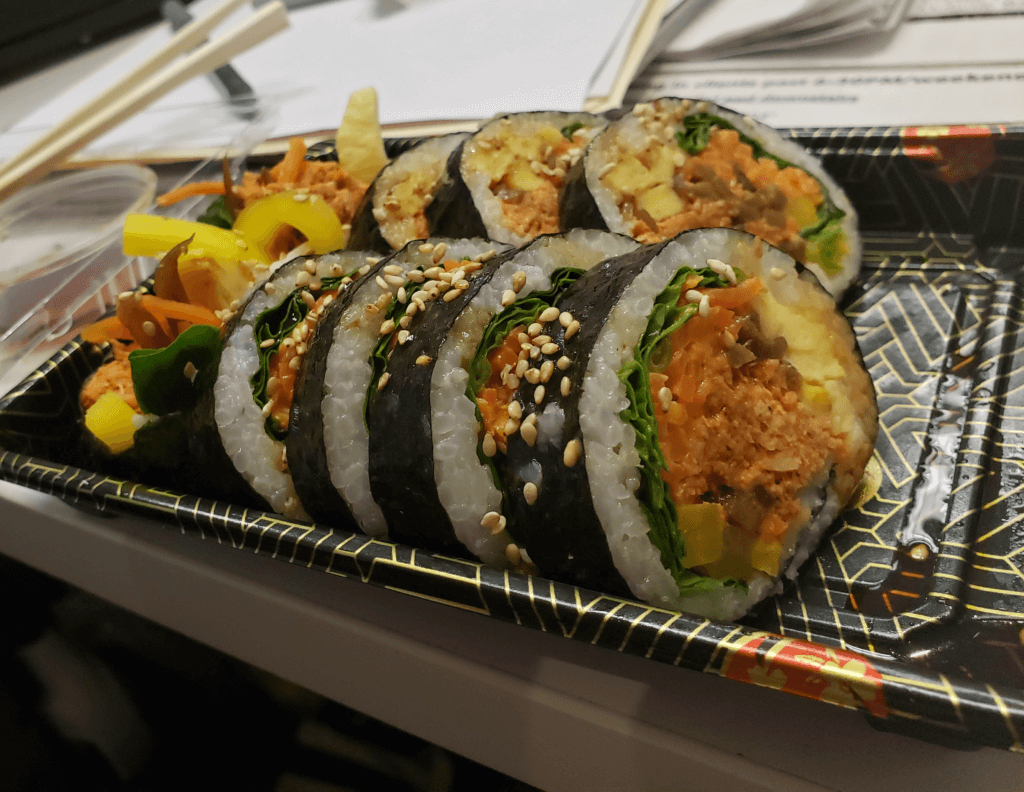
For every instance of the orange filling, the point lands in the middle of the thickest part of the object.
(282, 368)
(724, 186)
(736, 439)
(495, 396)
(530, 213)
(114, 376)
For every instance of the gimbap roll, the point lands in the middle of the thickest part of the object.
(245, 415)
(504, 182)
(710, 417)
(676, 164)
(392, 212)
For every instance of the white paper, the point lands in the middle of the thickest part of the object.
(928, 72)
(450, 59)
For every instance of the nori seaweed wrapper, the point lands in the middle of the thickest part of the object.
(399, 420)
(561, 528)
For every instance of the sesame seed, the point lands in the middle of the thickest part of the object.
(302, 279)
(384, 300)
(716, 265)
(572, 453)
(301, 196)
(446, 277)
(490, 448)
(460, 283)
(426, 247)
(403, 337)
(372, 308)
(394, 280)
(538, 394)
(272, 385)
(310, 266)
(267, 409)
(511, 427)
(521, 367)
(490, 520)
(534, 352)
(777, 273)
(405, 321)
(383, 380)
(532, 376)
(366, 267)
(416, 276)
(512, 553)
(413, 308)
(269, 288)
(730, 274)
(293, 364)
(541, 340)
(705, 306)
(566, 386)
(190, 370)
(693, 296)
(451, 295)
(487, 255)
(530, 492)
(403, 297)
(393, 269)
(388, 326)
(300, 349)
(571, 330)
(382, 283)
(513, 382)
(665, 399)
(439, 250)
(549, 348)
(328, 299)
(433, 273)
(518, 281)
(507, 298)
(308, 298)
(565, 318)
(563, 363)
(515, 410)
(423, 360)
(234, 305)
(528, 431)
(534, 330)
(549, 314)
(547, 368)
(288, 343)
(149, 328)
(267, 343)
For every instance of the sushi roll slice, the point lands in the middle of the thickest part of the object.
(504, 182)
(330, 454)
(717, 416)
(398, 404)
(677, 164)
(462, 339)
(392, 212)
(245, 416)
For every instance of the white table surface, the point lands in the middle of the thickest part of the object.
(550, 711)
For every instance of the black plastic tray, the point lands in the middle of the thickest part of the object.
(912, 610)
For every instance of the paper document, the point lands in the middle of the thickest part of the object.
(926, 72)
(445, 59)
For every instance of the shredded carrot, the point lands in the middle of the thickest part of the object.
(190, 190)
(289, 170)
(735, 296)
(109, 329)
(171, 309)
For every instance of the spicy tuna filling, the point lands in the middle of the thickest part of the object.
(739, 443)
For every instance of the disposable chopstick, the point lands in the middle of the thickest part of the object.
(186, 39)
(271, 19)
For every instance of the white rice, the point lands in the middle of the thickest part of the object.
(613, 464)
(347, 378)
(465, 487)
(240, 421)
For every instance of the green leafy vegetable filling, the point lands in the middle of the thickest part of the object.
(568, 131)
(276, 324)
(164, 381)
(696, 135)
(655, 498)
(217, 214)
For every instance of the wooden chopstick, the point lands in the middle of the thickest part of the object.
(186, 39)
(269, 20)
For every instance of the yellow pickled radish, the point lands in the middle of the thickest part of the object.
(802, 211)
(147, 235)
(211, 283)
(766, 555)
(111, 420)
(309, 214)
